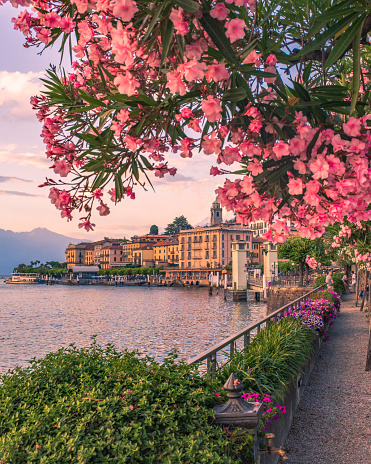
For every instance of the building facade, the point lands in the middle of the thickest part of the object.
(166, 253)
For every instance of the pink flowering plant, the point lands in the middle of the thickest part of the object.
(150, 78)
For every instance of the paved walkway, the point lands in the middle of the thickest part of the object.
(332, 424)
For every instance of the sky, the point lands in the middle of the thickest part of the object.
(23, 165)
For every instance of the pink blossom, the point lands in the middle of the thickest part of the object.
(319, 168)
(126, 84)
(219, 12)
(181, 26)
(271, 60)
(211, 145)
(175, 83)
(281, 149)
(217, 72)
(112, 192)
(230, 155)
(252, 58)
(295, 186)
(195, 49)
(235, 29)
(212, 109)
(352, 127)
(214, 171)
(87, 225)
(247, 185)
(62, 167)
(52, 20)
(97, 193)
(103, 210)
(255, 167)
(67, 24)
(124, 9)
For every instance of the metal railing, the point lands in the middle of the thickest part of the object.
(246, 335)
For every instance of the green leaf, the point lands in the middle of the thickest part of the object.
(234, 95)
(219, 38)
(167, 35)
(188, 5)
(325, 36)
(356, 68)
(302, 93)
(344, 41)
(134, 169)
(155, 17)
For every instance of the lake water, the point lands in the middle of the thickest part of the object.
(37, 319)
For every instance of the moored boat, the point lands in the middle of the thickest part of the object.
(19, 278)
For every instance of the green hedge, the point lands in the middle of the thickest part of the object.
(99, 405)
(339, 287)
(274, 358)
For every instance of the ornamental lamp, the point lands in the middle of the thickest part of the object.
(237, 412)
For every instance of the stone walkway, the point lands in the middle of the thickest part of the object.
(332, 424)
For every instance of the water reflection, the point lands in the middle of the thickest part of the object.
(35, 320)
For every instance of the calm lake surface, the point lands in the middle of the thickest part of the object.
(35, 320)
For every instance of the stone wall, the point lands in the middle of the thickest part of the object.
(278, 296)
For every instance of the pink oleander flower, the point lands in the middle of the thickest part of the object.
(219, 12)
(87, 225)
(212, 109)
(252, 58)
(124, 9)
(181, 26)
(103, 210)
(235, 29)
(296, 186)
(62, 167)
(352, 127)
(211, 144)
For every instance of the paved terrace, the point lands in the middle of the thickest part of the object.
(332, 424)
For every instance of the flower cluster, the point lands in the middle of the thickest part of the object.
(271, 412)
(312, 262)
(316, 314)
(138, 91)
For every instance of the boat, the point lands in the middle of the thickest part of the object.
(19, 278)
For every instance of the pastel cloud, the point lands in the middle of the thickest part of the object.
(12, 179)
(17, 193)
(9, 155)
(16, 88)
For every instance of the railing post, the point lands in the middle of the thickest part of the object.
(211, 365)
(231, 350)
(246, 340)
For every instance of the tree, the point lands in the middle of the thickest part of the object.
(179, 223)
(153, 230)
(297, 249)
(142, 77)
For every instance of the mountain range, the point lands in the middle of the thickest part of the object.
(23, 247)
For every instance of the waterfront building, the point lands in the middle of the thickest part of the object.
(111, 256)
(143, 256)
(166, 253)
(257, 251)
(75, 254)
(89, 255)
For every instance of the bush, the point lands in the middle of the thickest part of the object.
(325, 294)
(98, 405)
(339, 287)
(274, 358)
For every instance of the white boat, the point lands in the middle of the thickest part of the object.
(19, 278)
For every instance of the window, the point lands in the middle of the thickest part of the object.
(189, 264)
(231, 236)
(207, 255)
(214, 254)
(222, 236)
(237, 237)
(189, 255)
(223, 252)
(182, 256)
(222, 244)
(215, 238)
(247, 238)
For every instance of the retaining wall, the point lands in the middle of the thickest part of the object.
(278, 296)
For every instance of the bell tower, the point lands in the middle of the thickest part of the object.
(216, 214)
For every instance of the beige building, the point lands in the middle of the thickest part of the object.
(166, 253)
(257, 253)
(211, 247)
(143, 256)
(75, 254)
(111, 256)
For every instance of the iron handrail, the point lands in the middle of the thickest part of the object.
(210, 354)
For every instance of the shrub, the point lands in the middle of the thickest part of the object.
(274, 358)
(339, 287)
(325, 294)
(98, 405)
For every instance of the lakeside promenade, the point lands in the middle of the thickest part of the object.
(333, 421)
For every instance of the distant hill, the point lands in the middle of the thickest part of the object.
(23, 247)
